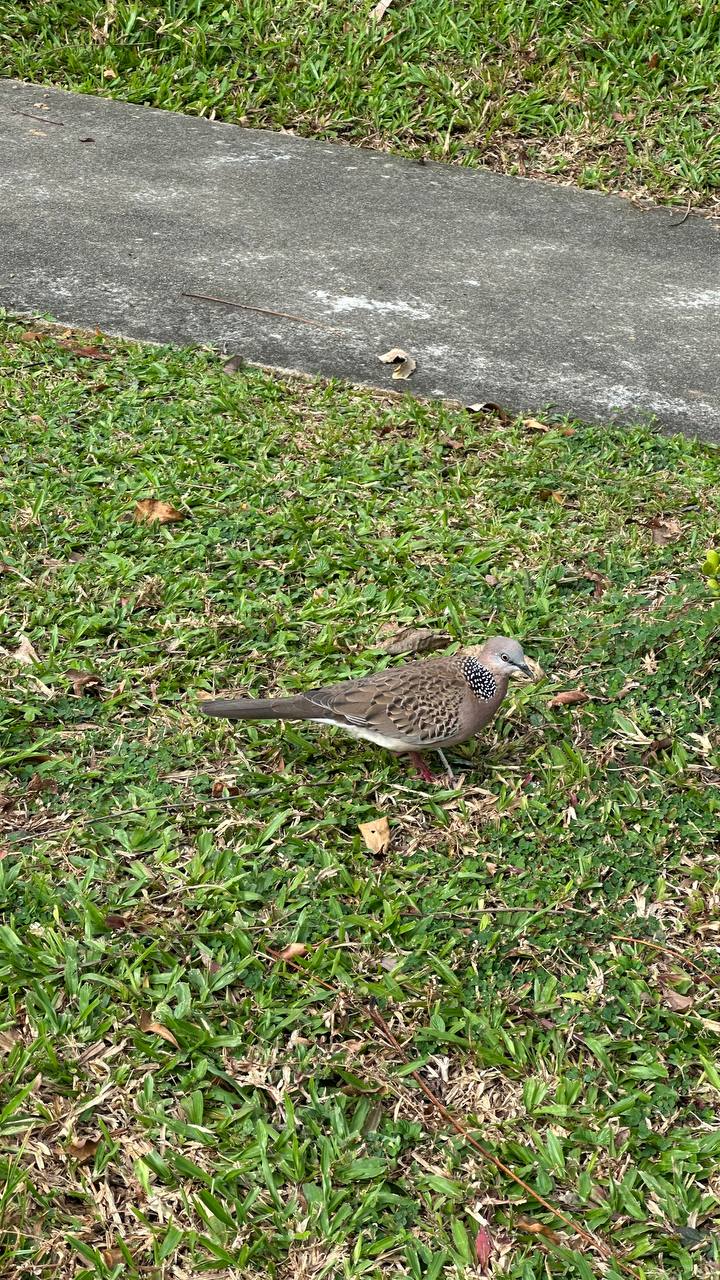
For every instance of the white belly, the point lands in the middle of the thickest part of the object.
(370, 735)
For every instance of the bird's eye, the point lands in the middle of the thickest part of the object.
(504, 657)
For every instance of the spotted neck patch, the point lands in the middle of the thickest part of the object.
(481, 681)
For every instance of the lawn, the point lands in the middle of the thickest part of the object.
(541, 942)
(605, 93)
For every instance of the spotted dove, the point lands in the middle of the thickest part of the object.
(420, 706)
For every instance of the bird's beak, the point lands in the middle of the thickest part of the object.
(524, 668)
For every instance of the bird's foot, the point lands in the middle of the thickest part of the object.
(422, 767)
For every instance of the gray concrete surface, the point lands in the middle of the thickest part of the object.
(502, 289)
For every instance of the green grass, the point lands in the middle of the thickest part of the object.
(611, 94)
(153, 859)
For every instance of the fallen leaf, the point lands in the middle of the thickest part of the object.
(113, 1257)
(292, 950)
(114, 920)
(416, 640)
(8, 1040)
(483, 1248)
(376, 834)
(233, 364)
(405, 366)
(83, 1150)
(657, 746)
(675, 1001)
(538, 1229)
(533, 424)
(109, 74)
(91, 353)
(83, 682)
(38, 783)
(489, 406)
(491, 580)
(152, 511)
(223, 787)
(32, 335)
(653, 60)
(570, 698)
(380, 10)
(25, 653)
(86, 139)
(38, 133)
(601, 583)
(37, 419)
(664, 529)
(41, 106)
(146, 1023)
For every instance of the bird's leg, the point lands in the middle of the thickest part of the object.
(421, 766)
(451, 776)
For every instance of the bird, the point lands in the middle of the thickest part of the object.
(420, 706)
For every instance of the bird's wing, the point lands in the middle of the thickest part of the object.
(419, 704)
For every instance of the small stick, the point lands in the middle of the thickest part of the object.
(375, 1016)
(40, 119)
(264, 311)
(668, 950)
(685, 216)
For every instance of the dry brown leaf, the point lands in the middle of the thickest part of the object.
(39, 783)
(8, 1040)
(533, 424)
(657, 746)
(489, 407)
(538, 1229)
(32, 335)
(25, 653)
(83, 1149)
(146, 1023)
(83, 682)
(483, 1248)
(152, 511)
(114, 920)
(601, 583)
(405, 366)
(570, 698)
(376, 834)
(415, 640)
(292, 950)
(675, 1001)
(380, 9)
(664, 529)
(109, 74)
(90, 353)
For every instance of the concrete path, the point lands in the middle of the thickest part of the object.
(502, 289)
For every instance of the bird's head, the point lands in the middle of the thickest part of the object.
(503, 656)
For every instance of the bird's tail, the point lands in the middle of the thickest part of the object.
(298, 708)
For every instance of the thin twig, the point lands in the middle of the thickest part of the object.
(40, 119)
(376, 1017)
(265, 311)
(670, 950)
(685, 216)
